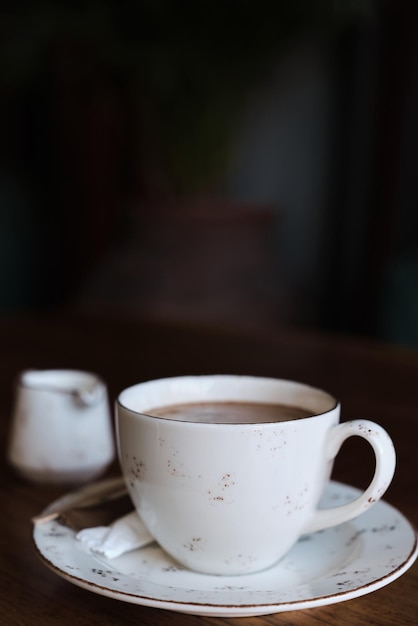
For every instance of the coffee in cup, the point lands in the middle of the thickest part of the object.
(227, 472)
(229, 412)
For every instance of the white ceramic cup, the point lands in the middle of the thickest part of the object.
(233, 498)
(61, 427)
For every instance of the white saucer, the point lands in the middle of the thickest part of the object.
(326, 567)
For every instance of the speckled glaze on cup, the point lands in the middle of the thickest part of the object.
(234, 498)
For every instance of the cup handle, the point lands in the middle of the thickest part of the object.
(385, 468)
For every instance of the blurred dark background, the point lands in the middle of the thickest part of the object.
(229, 162)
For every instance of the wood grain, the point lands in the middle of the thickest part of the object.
(373, 381)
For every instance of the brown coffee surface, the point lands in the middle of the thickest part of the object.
(230, 412)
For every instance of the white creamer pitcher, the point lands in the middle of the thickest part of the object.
(61, 428)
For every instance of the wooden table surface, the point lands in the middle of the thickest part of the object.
(373, 381)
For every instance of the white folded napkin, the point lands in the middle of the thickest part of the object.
(125, 534)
